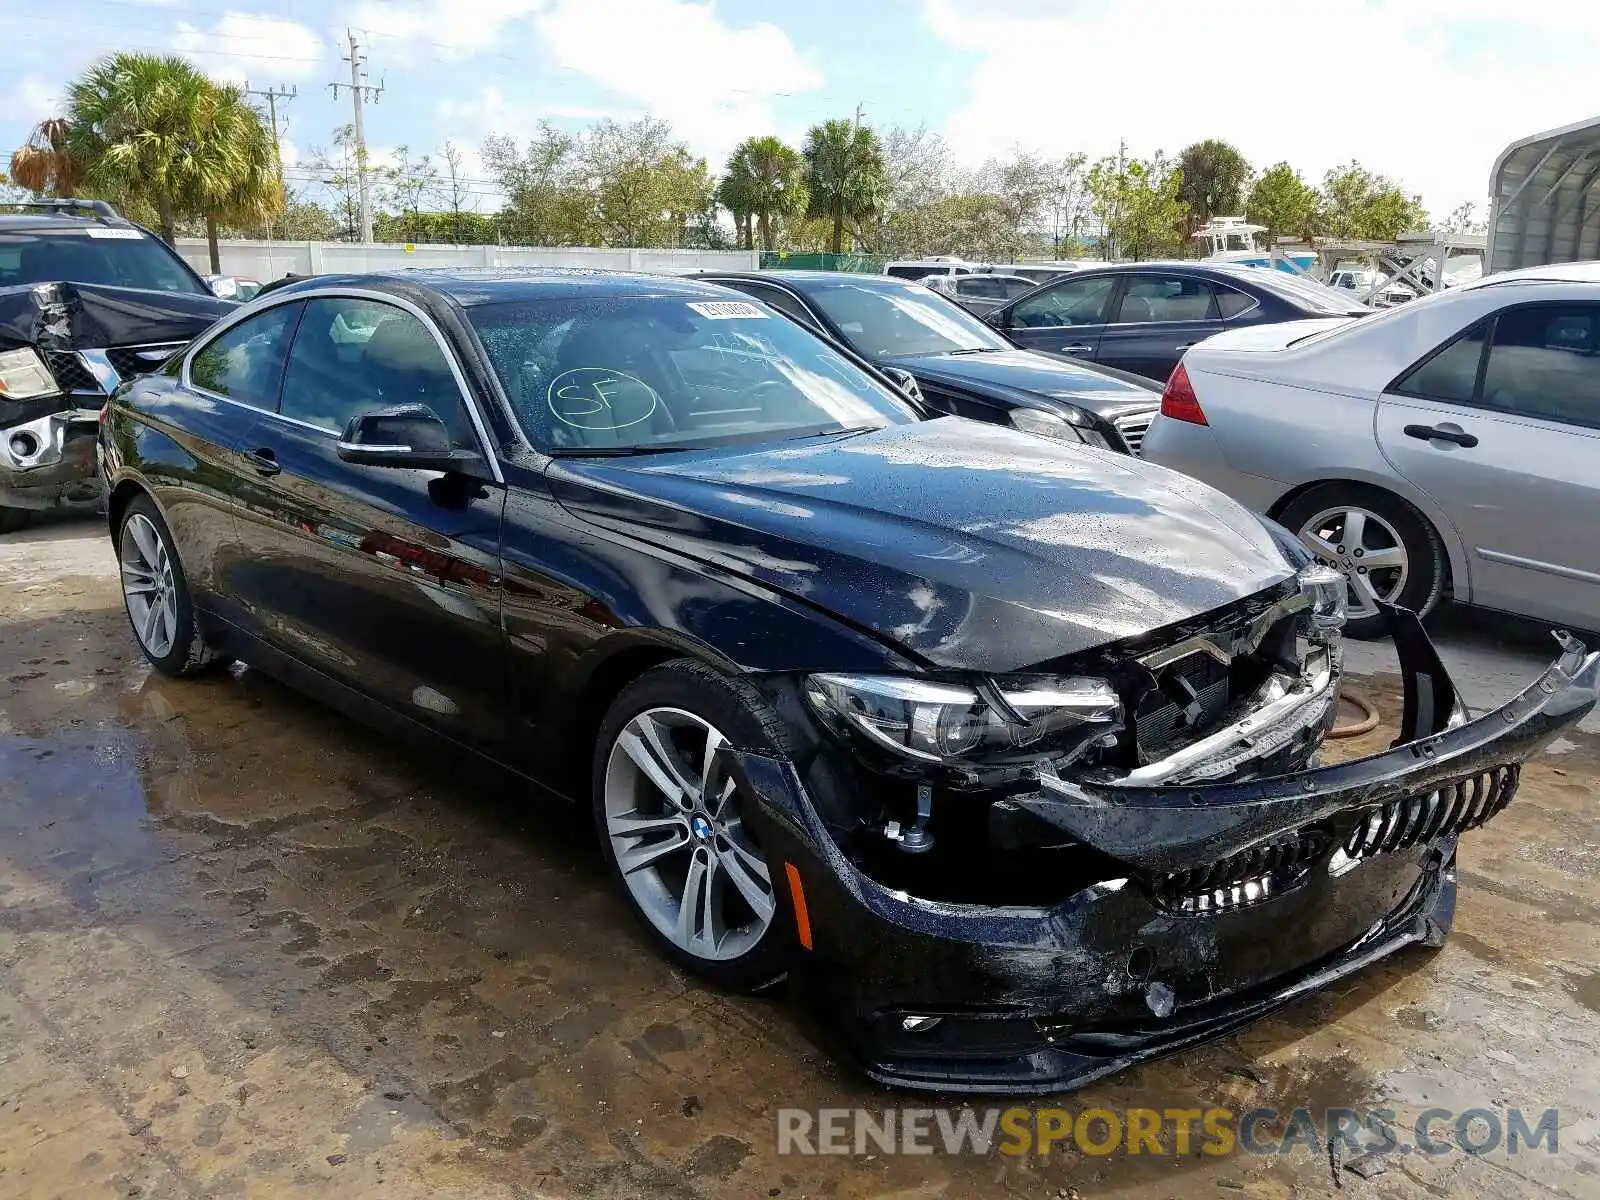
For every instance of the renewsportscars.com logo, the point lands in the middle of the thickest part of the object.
(1176, 1131)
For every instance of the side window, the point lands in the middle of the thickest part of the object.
(980, 285)
(351, 356)
(1231, 303)
(1545, 362)
(1017, 287)
(246, 362)
(1166, 298)
(1071, 302)
(1449, 374)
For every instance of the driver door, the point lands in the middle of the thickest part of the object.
(1064, 319)
(384, 580)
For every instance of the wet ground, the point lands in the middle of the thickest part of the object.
(248, 948)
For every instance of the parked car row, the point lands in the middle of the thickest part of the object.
(1002, 746)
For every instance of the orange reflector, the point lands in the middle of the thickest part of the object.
(797, 894)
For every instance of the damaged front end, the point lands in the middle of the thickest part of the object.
(1036, 921)
(64, 348)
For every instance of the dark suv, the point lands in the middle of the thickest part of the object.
(87, 299)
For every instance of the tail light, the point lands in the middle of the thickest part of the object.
(1179, 402)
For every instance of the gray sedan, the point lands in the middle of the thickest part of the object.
(1452, 444)
(981, 294)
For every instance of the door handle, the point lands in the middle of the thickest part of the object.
(1428, 433)
(1076, 348)
(264, 460)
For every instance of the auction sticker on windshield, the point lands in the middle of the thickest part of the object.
(127, 235)
(726, 310)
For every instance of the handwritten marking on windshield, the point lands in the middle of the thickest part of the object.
(598, 398)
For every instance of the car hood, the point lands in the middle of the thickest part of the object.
(84, 316)
(965, 544)
(1038, 374)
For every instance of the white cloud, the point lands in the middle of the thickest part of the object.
(30, 100)
(422, 29)
(679, 61)
(1427, 91)
(244, 45)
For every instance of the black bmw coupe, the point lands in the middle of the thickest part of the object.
(1004, 748)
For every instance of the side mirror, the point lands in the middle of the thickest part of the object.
(906, 380)
(997, 317)
(409, 435)
(223, 287)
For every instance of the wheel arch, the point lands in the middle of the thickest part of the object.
(1458, 577)
(123, 494)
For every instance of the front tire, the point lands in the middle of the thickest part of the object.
(1384, 547)
(672, 823)
(155, 593)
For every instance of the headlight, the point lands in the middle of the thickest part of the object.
(1046, 424)
(1324, 589)
(934, 721)
(23, 376)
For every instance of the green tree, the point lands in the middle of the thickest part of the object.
(1283, 203)
(1358, 204)
(136, 123)
(408, 184)
(765, 180)
(1022, 185)
(547, 201)
(232, 172)
(1137, 204)
(1215, 176)
(845, 174)
(336, 171)
(920, 176)
(644, 184)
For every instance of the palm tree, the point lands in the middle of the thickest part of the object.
(44, 165)
(765, 179)
(845, 171)
(231, 173)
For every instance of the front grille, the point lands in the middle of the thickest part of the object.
(71, 375)
(130, 360)
(1454, 808)
(1132, 428)
(1246, 878)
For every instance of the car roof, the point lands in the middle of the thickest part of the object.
(799, 279)
(469, 286)
(55, 223)
(1566, 272)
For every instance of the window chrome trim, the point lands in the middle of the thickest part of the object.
(479, 426)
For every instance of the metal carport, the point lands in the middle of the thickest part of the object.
(1542, 208)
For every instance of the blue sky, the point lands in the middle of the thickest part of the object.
(1428, 91)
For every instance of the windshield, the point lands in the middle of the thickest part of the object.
(901, 322)
(615, 374)
(115, 256)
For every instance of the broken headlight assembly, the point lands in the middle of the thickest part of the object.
(1324, 592)
(1053, 425)
(23, 376)
(930, 721)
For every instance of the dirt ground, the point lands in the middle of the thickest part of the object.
(248, 948)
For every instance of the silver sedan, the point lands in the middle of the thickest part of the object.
(1449, 445)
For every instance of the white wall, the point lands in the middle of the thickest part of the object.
(273, 260)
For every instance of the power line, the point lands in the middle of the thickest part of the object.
(360, 92)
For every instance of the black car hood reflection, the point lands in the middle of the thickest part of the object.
(1027, 371)
(968, 545)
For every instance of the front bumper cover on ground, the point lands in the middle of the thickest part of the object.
(1235, 898)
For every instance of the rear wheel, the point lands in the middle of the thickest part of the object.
(673, 827)
(156, 593)
(1386, 550)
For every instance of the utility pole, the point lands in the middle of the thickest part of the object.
(360, 93)
(272, 96)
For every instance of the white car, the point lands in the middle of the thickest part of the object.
(1452, 443)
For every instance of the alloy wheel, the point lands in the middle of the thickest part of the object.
(676, 825)
(148, 585)
(1366, 549)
